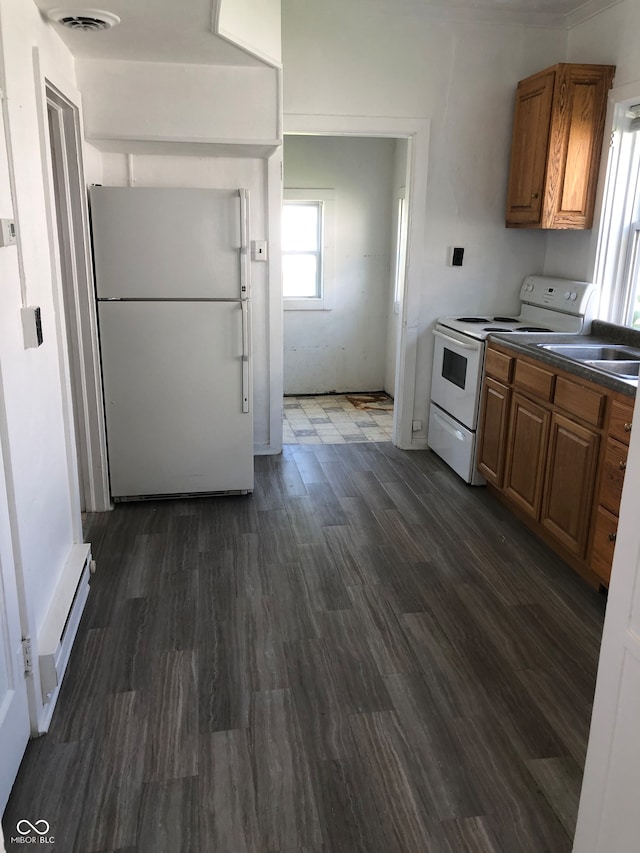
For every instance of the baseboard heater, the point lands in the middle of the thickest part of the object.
(61, 623)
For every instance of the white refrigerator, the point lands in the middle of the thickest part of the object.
(172, 284)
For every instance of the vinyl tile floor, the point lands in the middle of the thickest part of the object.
(337, 418)
(364, 656)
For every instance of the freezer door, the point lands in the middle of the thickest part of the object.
(173, 390)
(166, 243)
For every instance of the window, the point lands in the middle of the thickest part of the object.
(401, 251)
(631, 309)
(302, 249)
(307, 249)
(618, 265)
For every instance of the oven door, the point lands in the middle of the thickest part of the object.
(457, 372)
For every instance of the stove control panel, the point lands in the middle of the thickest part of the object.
(559, 294)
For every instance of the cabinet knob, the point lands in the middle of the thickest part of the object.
(612, 537)
(627, 427)
(534, 195)
(622, 466)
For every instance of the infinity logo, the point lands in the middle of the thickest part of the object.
(32, 827)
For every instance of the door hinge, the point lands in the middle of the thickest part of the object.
(27, 656)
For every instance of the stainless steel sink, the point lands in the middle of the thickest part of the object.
(623, 369)
(594, 352)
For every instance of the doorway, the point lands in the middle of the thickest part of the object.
(344, 251)
(416, 132)
(69, 204)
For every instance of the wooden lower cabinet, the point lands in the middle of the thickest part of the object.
(526, 451)
(572, 459)
(554, 447)
(604, 541)
(612, 471)
(494, 422)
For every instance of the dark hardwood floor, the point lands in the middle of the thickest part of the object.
(365, 655)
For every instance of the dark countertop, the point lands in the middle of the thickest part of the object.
(601, 333)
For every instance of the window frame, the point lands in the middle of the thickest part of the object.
(325, 198)
(619, 242)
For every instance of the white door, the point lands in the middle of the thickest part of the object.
(177, 397)
(14, 711)
(609, 814)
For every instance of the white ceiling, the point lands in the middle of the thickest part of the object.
(170, 31)
(151, 31)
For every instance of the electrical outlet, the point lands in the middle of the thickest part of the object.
(416, 426)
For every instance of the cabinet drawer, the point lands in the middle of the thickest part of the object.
(578, 400)
(498, 365)
(620, 421)
(533, 379)
(604, 540)
(612, 478)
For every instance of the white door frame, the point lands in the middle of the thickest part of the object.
(417, 132)
(74, 292)
(14, 711)
(608, 817)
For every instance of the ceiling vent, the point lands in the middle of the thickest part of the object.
(88, 20)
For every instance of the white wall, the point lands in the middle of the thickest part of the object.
(212, 172)
(609, 38)
(170, 102)
(253, 25)
(344, 349)
(357, 59)
(45, 512)
(399, 188)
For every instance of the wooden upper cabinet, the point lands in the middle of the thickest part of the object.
(556, 146)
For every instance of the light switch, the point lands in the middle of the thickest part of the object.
(258, 250)
(7, 232)
(31, 326)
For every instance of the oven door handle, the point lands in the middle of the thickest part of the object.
(456, 433)
(476, 347)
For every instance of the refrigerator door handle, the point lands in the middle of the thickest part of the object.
(244, 305)
(244, 243)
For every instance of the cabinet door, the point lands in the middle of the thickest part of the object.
(493, 430)
(529, 145)
(577, 123)
(614, 466)
(570, 477)
(604, 540)
(526, 450)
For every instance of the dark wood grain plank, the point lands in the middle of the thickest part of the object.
(114, 787)
(227, 817)
(172, 747)
(559, 778)
(378, 738)
(168, 820)
(43, 791)
(285, 803)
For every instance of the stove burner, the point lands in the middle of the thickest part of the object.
(505, 320)
(472, 320)
(498, 329)
(532, 329)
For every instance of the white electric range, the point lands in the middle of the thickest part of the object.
(546, 305)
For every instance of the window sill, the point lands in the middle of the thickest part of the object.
(306, 305)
